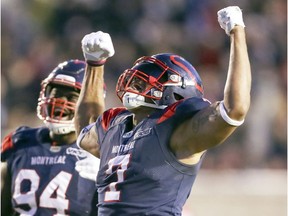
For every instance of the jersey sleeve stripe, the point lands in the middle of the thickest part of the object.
(109, 115)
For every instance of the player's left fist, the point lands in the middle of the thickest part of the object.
(229, 17)
(97, 47)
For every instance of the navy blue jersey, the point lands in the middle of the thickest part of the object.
(138, 173)
(44, 179)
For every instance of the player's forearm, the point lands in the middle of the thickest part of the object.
(97, 47)
(238, 83)
(91, 100)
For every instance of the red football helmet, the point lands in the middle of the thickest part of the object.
(158, 81)
(52, 110)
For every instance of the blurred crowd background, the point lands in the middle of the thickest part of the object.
(36, 35)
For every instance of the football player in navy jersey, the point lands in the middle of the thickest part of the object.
(38, 175)
(151, 149)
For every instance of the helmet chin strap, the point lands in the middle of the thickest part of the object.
(131, 100)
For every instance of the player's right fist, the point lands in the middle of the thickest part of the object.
(229, 17)
(97, 47)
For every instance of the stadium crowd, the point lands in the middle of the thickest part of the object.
(36, 35)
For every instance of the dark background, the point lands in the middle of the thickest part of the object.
(36, 35)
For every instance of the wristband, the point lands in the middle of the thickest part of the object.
(227, 118)
(96, 63)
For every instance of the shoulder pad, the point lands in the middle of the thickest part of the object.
(23, 137)
(169, 111)
(193, 105)
(109, 115)
(185, 108)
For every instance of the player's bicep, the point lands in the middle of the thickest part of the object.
(204, 130)
(88, 140)
(210, 128)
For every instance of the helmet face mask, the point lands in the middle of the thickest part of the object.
(60, 103)
(169, 78)
(58, 96)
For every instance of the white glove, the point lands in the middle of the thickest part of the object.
(88, 167)
(229, 17)
(97, 47)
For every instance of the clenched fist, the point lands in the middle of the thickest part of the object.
(229, 17)
(97, 47)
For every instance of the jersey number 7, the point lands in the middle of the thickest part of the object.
(120, 163)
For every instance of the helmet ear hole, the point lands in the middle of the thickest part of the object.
(177, 96)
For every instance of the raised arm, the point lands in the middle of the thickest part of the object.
(212, 125)
(96, 47)
(91, 99)
(238, 84)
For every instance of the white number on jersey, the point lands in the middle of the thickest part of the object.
(121, 163)
(53, 195)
